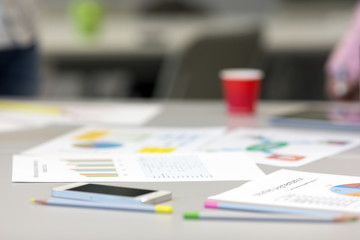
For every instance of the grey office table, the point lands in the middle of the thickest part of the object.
(21, 219)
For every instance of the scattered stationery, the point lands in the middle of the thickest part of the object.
(267, 218)
(334, 118)
(112, 206)
(112, 140)
(298, 190)
(135, 167)
(286, 148)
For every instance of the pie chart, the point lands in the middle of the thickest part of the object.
(97, 145)
(352, 189)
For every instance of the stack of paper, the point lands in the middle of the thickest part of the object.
(340, 118)
(299, 190)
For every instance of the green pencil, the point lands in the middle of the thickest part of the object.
(274, 218)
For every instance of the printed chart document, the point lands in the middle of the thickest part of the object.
(295, 189)
(337, 117)
(286, 148)
(135, 167)
(17, 115)
(111, 140)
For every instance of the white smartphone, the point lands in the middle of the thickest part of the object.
(106, 193)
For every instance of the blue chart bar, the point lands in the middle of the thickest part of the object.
(97, 145)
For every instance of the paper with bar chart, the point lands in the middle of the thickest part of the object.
(295, 189)
(134, 168)
(286, 148)
(106, 140)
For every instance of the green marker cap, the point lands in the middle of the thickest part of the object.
(191, 215)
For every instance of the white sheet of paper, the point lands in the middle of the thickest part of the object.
(286, 148)
(18, 115)
(135, 168)
(14, 121)
(135, 114)
(111, 140)
(295, 189)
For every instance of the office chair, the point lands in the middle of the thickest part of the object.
(194, 73)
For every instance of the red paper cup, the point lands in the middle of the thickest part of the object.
(241, 89)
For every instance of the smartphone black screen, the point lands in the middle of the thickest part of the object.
(111, 190)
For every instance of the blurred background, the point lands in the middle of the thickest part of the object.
(175, 48)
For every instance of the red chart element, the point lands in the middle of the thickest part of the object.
(352, 189)
(354, 185)
(286, 157)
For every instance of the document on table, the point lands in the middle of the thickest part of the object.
(135, 114)
(295, 189)
(111, 140)
(20, 121)
(335, 117)
(17, 115)
(135, 168)
(286, 148)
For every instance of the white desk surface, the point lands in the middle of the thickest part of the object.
(21, 219)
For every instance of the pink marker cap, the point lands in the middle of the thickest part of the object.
(211, 204)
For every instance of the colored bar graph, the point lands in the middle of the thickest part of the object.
(99, 174)
(92, 167)
(82, 161)
(94, 170)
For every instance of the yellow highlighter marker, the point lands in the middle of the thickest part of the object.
(163, 209)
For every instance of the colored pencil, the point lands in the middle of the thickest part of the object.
(273, 218)
(267, 209)
(114, 206)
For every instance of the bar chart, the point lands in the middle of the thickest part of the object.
(92, 167)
